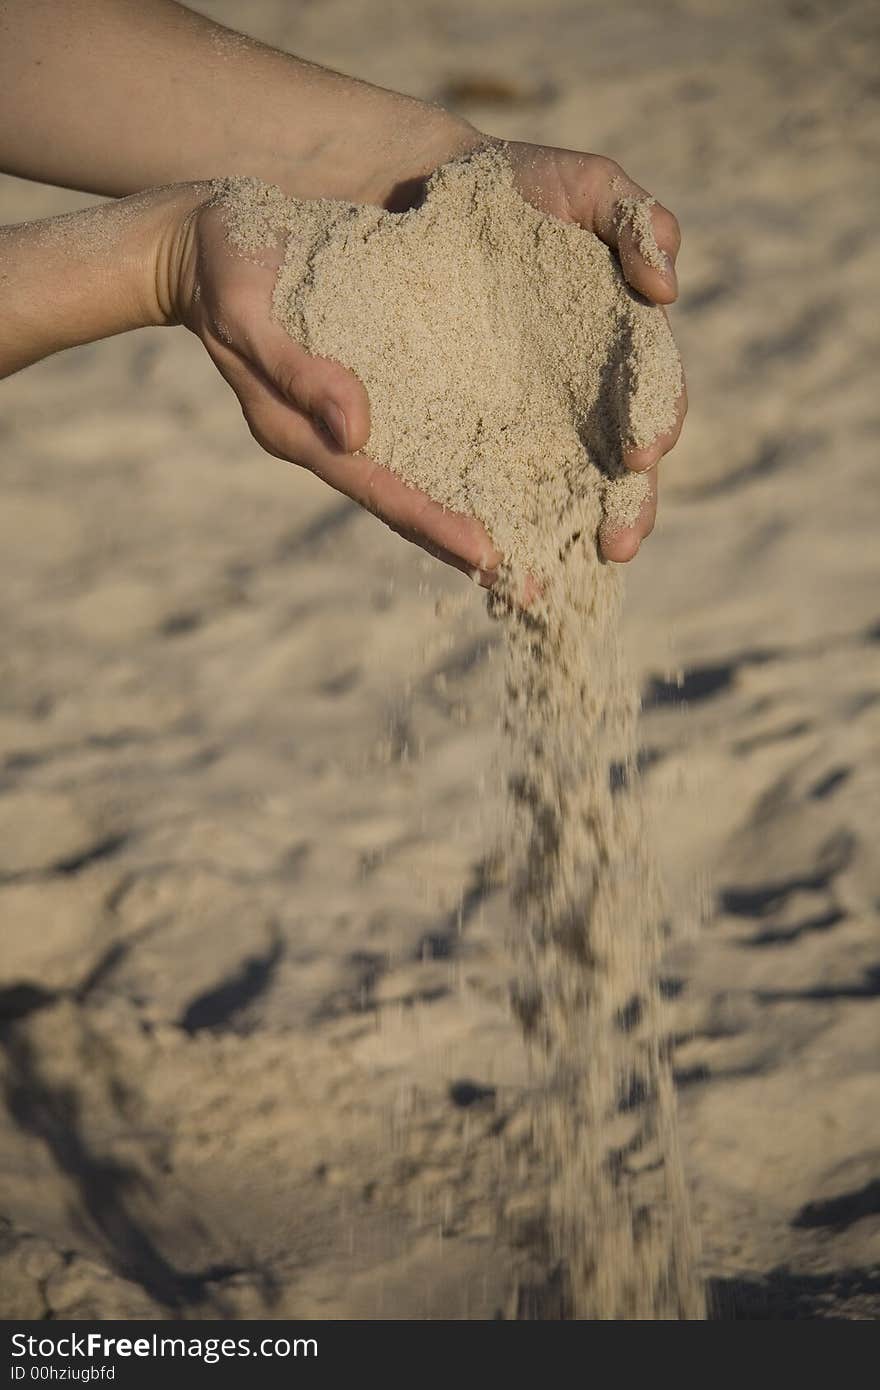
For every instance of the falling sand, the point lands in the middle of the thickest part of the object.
(507, 362)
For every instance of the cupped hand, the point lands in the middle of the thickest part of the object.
(303, 409)
(315, 412)
(596, 194)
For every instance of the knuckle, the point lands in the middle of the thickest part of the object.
(285, 377)
(602, 175)
(291, 377)
(667, 225)
(644, 460)
(610, 169)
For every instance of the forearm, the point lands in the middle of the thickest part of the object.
(113, 96)
(89, 275)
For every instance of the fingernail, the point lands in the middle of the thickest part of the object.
(335, 422)
(671, 275)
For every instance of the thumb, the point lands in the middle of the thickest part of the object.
(237, 314)
(326, 390)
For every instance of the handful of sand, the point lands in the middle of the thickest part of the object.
(506, 359)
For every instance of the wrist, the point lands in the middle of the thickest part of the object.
(406, 151)
(366, 146)
(91, 274)
(166, 253)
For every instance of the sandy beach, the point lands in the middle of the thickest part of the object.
(257, 1053)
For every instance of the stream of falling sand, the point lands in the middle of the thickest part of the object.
(590, 931)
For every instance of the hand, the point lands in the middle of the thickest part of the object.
(315, 412)
(590, 190)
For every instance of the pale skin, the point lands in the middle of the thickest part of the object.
(174, 101)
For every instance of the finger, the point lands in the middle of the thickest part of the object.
(290, 434)
(413, 513)
(243, 321)
(645, 234)
(280, 425)
(318, 386)
(485, 578)
(642, 460)
(622, 543)
(529, 587)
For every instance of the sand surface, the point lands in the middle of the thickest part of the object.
(258, 1058)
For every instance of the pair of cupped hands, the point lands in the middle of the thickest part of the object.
(315, 412)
